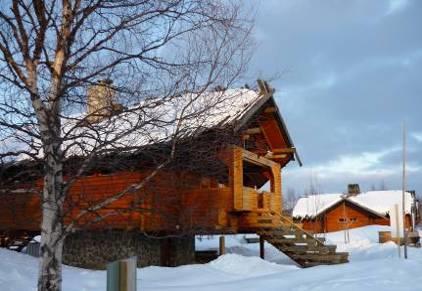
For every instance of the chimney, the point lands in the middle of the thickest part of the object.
(353, 189)
(100, 101)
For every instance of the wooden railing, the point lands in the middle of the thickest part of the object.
(256, 200)
(250, 199)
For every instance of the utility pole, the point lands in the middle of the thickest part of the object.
(398, 234)
(404, 191)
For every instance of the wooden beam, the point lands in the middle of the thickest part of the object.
(279, 153)
(272, 157)
(284, 151)
(236, 178)
(263, 86)
(270, 109)
(253, 130)
(257, 160)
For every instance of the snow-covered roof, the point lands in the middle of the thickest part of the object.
(155, 123)
(314, 204)
(379, 202)
(382, 201)
(151, 121)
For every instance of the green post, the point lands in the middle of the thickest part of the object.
(121, 275)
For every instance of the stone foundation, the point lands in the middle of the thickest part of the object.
(94, 249)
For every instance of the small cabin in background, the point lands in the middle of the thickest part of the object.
(323, 213)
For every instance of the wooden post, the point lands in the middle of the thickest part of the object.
(404, 192)
(121, 275)
(261, 247)
(222, 245)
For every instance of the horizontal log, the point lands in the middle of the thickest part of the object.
(270, 109)
(253, 130)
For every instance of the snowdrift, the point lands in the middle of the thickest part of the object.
(373, 266)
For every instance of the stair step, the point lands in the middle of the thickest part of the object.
(297, 234)
(302, 247)
(322, 258)
(292, 241)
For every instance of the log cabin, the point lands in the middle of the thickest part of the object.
(224, 178)
(323, 213)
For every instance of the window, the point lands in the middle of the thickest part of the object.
(344, 220)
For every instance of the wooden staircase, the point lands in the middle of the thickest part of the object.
(17, 240)
(301, 246)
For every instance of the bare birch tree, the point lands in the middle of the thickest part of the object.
(154, 51)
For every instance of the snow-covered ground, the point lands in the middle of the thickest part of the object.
(372, 266)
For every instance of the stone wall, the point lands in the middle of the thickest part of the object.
(94, 249)
(177, 251)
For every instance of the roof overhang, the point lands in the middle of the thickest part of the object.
(268, 96)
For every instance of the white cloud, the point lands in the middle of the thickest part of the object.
(322, 83)
(366, 163)
(367, 169)
(395, 6)
(417, 136)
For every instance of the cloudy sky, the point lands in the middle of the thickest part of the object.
(347, 75)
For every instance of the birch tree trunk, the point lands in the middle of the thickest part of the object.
(52, 238)
(50, 271)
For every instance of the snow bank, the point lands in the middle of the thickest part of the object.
(18, 272)
(241, 265)
(373, 266)
(236, 244)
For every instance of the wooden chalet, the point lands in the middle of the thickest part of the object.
(334, 212)
(224, 179)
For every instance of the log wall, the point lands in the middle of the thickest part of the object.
(172, 202)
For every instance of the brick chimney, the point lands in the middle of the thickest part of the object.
(101, 101)
(353, 189)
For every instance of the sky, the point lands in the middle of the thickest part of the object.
(347, 76)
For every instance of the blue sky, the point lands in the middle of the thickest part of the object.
(347, 75)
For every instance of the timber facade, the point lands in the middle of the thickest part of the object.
(344, 215)
(225, 180)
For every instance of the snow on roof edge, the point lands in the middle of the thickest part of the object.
(314, 205)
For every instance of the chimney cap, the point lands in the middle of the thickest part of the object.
(353, 189)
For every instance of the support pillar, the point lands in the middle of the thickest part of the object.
(261, 247)
(222, 245)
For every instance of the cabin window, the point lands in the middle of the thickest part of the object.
(344, 220)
